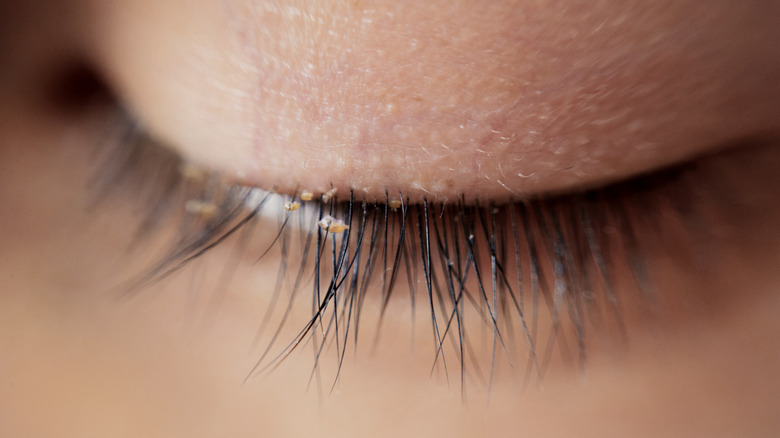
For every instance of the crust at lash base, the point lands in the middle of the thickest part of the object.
(426, 99)
(663, 244)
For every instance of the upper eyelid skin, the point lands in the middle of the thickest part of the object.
(528, 99)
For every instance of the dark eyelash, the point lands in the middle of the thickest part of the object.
(558, 252)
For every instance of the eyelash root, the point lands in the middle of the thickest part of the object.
(541, 276)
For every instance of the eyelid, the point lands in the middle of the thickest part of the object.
(604, 254)
(552, 232)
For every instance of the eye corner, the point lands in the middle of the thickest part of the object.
(75, 86)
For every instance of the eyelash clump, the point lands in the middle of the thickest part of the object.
(537, 273)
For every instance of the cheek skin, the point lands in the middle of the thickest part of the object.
(440, 99)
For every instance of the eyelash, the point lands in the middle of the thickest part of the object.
(563, 252)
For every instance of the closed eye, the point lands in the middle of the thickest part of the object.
(546, 276)
(398, 206)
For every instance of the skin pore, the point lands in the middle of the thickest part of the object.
(434, 100)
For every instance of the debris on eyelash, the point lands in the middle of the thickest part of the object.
(191, 172)
(201, 208)
(306, 195)
(328, 195)
(332, 225)
(560, 246)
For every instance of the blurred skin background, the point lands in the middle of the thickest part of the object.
(435, 100)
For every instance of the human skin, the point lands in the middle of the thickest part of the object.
(371, 96)
(616, 89)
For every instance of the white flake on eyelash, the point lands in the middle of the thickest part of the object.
(332, 225)
(200, 208)
(306, 195)
(274, 206)
(328, 195)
